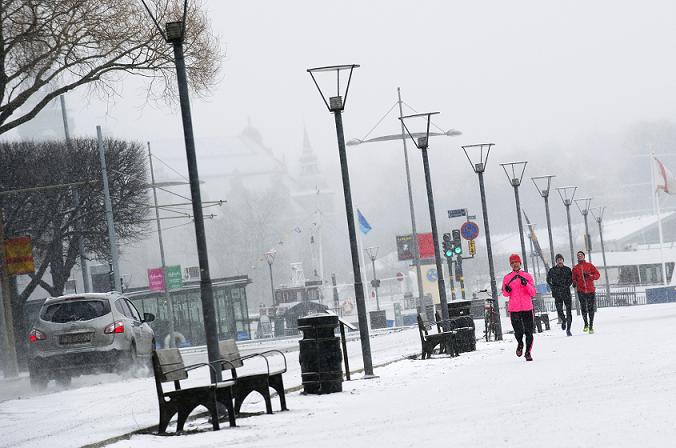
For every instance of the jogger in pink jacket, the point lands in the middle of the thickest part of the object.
(519, 288)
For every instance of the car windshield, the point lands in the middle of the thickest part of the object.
(73, 311)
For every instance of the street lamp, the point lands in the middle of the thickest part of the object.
(402, 136)
(583, 205)
(479, 166)
(174, 34)
(514, 172)
(373, 254)
(567, 195)
(598, 213)
(336, 104)
(543, 184)
(270, 258)
(421, 142)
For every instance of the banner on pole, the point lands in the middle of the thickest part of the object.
(19, 255)
(155, 279)
(174, 277)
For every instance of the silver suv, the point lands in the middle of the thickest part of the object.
(83, 333)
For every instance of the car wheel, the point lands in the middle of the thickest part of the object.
(38, 382)
(63, 379)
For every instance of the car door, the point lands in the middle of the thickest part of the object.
(143, 332)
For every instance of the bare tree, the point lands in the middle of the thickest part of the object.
(49, 47)
(48, 214)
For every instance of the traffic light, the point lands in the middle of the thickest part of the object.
(457, 244)
(447, 245)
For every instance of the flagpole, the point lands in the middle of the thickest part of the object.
(656, 206)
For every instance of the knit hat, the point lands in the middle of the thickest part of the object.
(513, 258)
(558, 256)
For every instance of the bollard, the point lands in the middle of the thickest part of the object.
(320, 355)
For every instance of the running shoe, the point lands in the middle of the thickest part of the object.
(563, 325)
(591, 330)
(568, 333)
(519, 350)
(586, 328)
(528, 356)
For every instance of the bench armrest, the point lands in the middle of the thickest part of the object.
(242, 358)
(191, 367)
(273, 351)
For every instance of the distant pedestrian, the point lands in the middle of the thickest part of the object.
(559, 279)
(519, 288)
(584, 275)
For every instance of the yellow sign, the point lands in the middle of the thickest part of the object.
(472, 247)
(19, 255)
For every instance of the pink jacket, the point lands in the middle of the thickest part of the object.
(520, 297)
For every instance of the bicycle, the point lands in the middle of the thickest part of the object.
(489, 317)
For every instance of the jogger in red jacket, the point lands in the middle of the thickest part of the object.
(519, 288)
(584, 275)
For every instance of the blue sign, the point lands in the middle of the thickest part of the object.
(469, 230)
(432, 274)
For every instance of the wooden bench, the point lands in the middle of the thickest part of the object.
(444, 339)
(168, 366)
(230, 358)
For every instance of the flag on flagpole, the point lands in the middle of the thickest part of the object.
(666, 177)
(364, 225)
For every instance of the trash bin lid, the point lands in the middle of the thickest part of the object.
(318, 320)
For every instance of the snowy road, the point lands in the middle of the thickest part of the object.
(613, 388)
(100, 407)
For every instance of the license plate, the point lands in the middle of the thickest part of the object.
(76, 338)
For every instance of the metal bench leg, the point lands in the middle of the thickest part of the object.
(183, 414)
(277, 383)
(166, 412)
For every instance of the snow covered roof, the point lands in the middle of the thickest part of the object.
(614, 230)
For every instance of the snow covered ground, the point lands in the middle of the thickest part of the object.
(614, 388)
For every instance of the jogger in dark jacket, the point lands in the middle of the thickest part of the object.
(559, 279)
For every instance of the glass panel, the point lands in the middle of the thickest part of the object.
(628, 275)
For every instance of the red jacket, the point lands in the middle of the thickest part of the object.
(584, 274)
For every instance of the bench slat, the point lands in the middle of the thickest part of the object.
(170, 360)
(229, 351)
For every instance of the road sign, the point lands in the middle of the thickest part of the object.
(174, 277)
(469, 230)
(472, 247)
(432, 274)
(455, 213)
(471, 217)
(400, 276)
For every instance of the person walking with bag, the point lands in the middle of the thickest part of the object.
(518, 286)
(584, 275)
(559, 279)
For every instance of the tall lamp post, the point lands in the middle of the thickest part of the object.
(583, 205)
(270, 258)
(174, 34)
(544, 184)
(373, 254)
(402, 136)
(422, 143)
(567, 195)
(479, 166)
(336, 105)
(598, 213)
(514, 172)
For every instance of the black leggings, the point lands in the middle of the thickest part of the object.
(523, 323)
(587, 307)
(560, 302)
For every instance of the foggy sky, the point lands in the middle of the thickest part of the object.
(567, 85)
